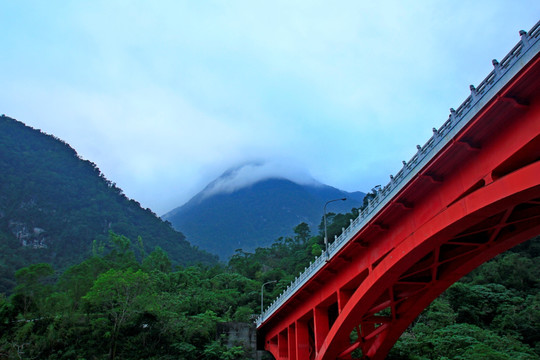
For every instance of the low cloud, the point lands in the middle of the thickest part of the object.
(250, 173)
(165, 96)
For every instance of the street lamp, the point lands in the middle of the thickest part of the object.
(262, 293)
(325, 232)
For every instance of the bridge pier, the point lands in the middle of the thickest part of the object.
(320, 319)
(302, 340)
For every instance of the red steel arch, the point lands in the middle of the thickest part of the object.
(477, 197)
(448, 246)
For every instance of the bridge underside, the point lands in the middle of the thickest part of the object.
(447, 247)
(479, 197)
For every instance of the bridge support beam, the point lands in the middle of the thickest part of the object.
(320, 319)
(343, 297)
(292, 342)
(302, 340)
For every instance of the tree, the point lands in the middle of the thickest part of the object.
(121, 295)
(157, 260)
(77, 280)
(244, 263)
(302, 233)
(33, 285)
(120, 251)
(316, 250)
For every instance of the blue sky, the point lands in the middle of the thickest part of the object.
(164, 96)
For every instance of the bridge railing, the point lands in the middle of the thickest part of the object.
(457, 119)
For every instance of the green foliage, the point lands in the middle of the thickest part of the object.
(77, 280)
(125, 300)
(316, 250)
(512, 270)
(122, 295)
(459, 341)
(216, 350)
(53, 205)
(32, 288)
(493, 313)
(118, 305)
(301, 233)
(157, 260)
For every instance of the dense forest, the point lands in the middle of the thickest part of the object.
(86, 273)
(122, 303)
(53, 204)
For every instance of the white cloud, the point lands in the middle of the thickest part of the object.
(250, 173)
(165, 96)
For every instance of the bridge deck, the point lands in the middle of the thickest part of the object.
(418, 166)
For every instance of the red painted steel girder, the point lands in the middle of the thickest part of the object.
(478, 197)
(448, 246)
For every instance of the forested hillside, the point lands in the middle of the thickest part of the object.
(53, 205)
(120, 304)
(85, 273)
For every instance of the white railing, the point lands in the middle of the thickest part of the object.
(503, 72)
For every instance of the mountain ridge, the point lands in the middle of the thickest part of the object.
(53, 205)
(257, 214)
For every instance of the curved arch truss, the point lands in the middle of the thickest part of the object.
(465, 235)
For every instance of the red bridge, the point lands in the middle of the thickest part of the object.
(471, 192)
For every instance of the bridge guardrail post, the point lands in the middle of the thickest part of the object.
(524, 39)
(496, 67)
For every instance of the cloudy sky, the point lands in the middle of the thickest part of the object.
(164, 96)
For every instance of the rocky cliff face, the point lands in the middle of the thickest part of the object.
(31, 237)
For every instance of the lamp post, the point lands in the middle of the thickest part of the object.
(262, 294)
(325, 232)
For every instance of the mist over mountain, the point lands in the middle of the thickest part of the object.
(252, 205)
(252, 172)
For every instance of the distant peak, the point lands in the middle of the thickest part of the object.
(250, 173)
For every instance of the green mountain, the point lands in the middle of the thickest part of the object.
(53, 205)
(221, 219)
